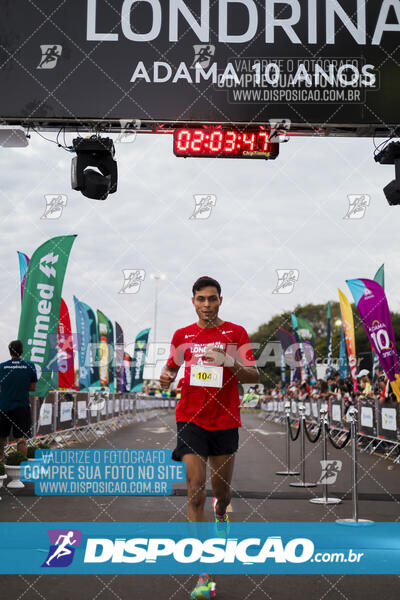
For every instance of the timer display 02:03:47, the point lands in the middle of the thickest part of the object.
(224, 143)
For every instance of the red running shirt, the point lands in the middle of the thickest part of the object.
(210, 407)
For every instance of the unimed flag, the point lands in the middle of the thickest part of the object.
(40, 310)
(139, 356)
(373, 309)
(348, 326)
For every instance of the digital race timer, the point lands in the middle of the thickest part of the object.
(224, 143)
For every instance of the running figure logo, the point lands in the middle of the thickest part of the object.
(132, 280)
(277, 130)
(203, 204)
(50, 55)
(358, 204)
(128, 131)
(203, 54)
(286, 281)
(330, 471)
(54, 206)
(61, 552)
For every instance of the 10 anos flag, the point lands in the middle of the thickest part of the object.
(373, 308)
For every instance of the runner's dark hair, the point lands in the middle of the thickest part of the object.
(16, 348)
(205, 281)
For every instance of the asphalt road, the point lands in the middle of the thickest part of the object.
(260, 495)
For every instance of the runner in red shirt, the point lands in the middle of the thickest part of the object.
(217, 355)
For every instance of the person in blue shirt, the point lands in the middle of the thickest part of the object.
(17, 378)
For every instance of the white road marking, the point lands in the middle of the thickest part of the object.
(263, 432)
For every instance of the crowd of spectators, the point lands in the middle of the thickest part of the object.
(333, 385)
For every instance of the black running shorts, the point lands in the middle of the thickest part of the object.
(192, 439)
(17, 419)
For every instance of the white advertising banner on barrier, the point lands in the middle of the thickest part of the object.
(66, 411)
(46, 414)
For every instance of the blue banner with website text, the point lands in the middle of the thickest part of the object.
(157, 548)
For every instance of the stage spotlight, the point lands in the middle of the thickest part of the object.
(94, 153)
(391, 156)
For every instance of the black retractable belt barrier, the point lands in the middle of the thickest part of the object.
(302, 482)
(288, 437)
(352, 418)
(323, 428)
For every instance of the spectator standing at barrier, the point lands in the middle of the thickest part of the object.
(303, 392)
(332, 383)
(208, 417)
(17, 378)
(323, 389)
(364, 382)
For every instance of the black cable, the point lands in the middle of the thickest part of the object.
(293, 437)
(316, 437)
(66, 148)
(332, 441)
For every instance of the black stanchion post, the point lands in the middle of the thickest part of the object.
(288, 471)
(352, 418)
(325, 499)
(302, 482)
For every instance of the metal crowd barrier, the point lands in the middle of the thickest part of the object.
(66, 416)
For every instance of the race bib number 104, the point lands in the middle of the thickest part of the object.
(206, 376)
